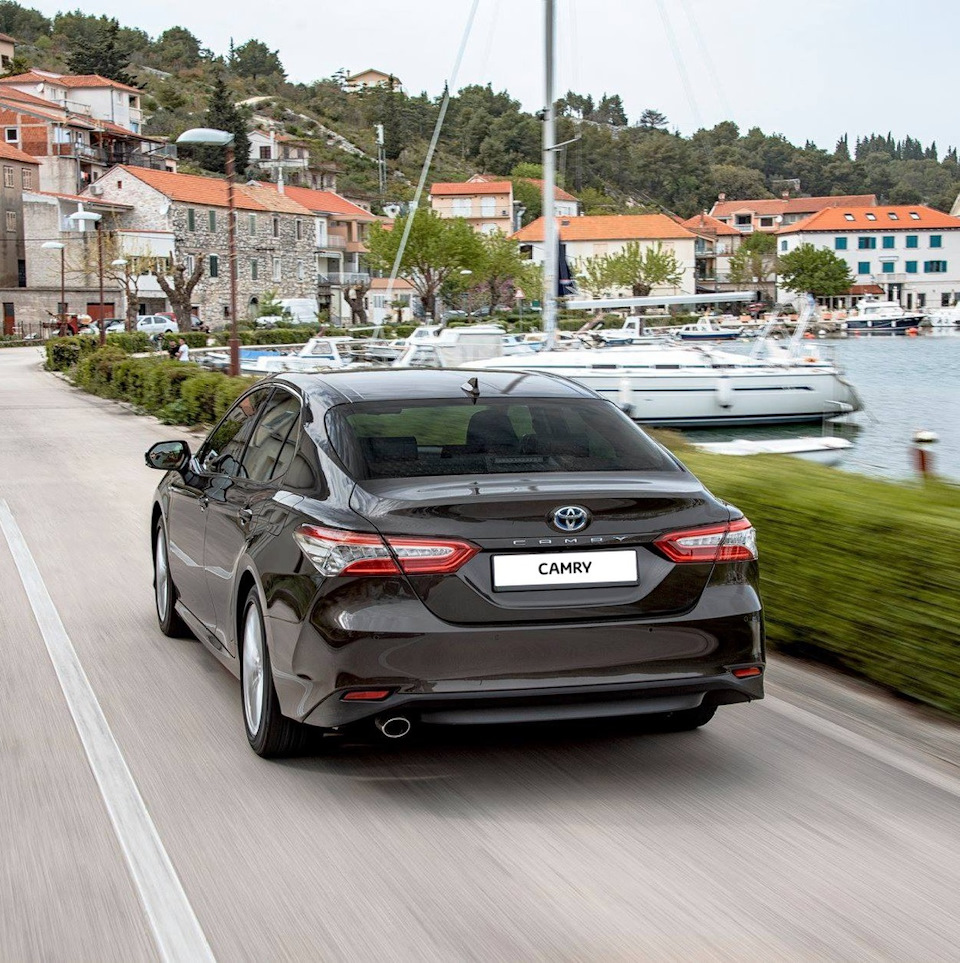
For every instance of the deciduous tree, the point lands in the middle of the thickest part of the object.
(177, 284)
(644, 268)
(814, 270)
(437, 248)
(755, 260)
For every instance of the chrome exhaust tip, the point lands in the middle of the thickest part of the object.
(394, 727)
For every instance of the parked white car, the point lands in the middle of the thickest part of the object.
(156, 324)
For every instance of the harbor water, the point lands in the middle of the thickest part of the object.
(906, 384)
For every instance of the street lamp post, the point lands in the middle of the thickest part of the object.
(223, 138)
(121, 263)
(465, 275)
(81, 218)
(57, 246)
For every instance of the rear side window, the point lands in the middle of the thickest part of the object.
(454, 437)
(222, 450)
(274, 441)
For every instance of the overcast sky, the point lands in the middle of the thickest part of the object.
(809, 69)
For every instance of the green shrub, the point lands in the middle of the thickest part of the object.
(95, 370)
(227, 393)
(164, 383)
(64, 353)
(133, 342)
(198, 398)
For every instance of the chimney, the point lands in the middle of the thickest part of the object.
(721, 196)
(280, 188)
(785, 195)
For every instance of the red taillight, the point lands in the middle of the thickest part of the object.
(365, 695)
(337, 552)
(748, 672)
(728, 542)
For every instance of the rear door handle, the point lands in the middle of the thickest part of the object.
(244, 515)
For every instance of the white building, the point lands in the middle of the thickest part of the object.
(596, 234)
(910, 254)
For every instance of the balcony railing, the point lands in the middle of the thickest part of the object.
(332, 242)
(744, 228)
(344, 277)
(301, 163)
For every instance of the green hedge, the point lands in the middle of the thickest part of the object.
(65, 353)
(175, 392)
(856, 571)
(194, 339)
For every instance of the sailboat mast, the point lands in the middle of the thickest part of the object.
(550, 243)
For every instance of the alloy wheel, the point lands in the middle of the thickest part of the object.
(252, 668)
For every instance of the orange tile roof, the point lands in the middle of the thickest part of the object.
(765, 207)
(9, 152)
(609, 227)
(210, 191)
(380, 284)
(558, 192)
(49, 110)
(471, 188)
(326, 202)
(273, 200)
(8, 39)
(705, 224)
(855, 219)
(68, 80)
(15, 93)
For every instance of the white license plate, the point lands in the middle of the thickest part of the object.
(564, 569)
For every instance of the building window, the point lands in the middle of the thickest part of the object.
(191, 219)
(277, 269)
(839, 243)
(11, 220)
(929, 267)
(936, 240)
(766, 222)
(914, 216)
(863, 267)
(889, 241)
(276, 227)
(893, 215)
(488, 207)
(299, 229)
(913, 240)
(7, 176)
(212, 221)
(265, 152)
(462, 207)
(871, 217)
(300, 271)
(744, 220)
(945, 299)
(254, 269)
(214, 266)
(866, 243)
(848, 217)
(783, 245)
(26, 179)
(887, 267)
(11, 135)
(911, 267)
(252, 222)
(189, 263)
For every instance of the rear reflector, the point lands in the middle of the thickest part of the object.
(748, 672)
(365, 695)
(728, 542)
(337, 552)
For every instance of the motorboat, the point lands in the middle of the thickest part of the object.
(437, 347)
(943, 317)
(825, 451)
(707, 329)
(882, 317)
(317, 354)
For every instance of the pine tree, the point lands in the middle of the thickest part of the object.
(102, 56)
(842, 150)
(222, 114)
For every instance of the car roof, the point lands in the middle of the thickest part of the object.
(395, 384)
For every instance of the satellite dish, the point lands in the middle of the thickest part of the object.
(779, 219)
(40, 88)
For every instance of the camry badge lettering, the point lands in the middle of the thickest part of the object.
(570, 518)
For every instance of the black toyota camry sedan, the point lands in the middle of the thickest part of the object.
(435, 547)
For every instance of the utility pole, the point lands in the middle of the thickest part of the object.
(550, 245)
(381, 161)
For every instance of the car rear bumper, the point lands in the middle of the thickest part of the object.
(566, 703)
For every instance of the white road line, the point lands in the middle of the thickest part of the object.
(865, 745)
(176, 929)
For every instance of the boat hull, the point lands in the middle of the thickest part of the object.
(884, 325)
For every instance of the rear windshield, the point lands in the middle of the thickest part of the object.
(402, 439)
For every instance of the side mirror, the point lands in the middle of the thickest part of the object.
(168, 455)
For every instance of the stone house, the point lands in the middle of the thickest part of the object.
(276, 236)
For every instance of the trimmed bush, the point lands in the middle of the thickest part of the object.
(194, 339)
(64, 353)
(133, 342)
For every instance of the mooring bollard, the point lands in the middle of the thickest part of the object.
(922, 454)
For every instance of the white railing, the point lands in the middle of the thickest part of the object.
(344, 277)
(332, 242)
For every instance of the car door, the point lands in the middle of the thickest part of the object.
(189, 497)
(240, 510)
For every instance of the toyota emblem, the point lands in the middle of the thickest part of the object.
(570, 518)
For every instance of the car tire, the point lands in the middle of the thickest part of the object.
(270, 733)
(164, 591)
(683, 721)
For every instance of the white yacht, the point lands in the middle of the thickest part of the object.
(943, 317)
(882, 317)
(316, 355)
(697, 386)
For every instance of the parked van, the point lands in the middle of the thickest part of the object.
(301, 310)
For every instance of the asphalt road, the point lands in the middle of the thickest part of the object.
(823, 823)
